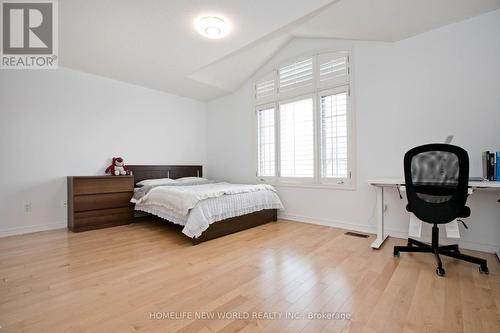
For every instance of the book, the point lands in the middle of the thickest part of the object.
(486, 165)
(491, 165)
(492, 169)
(498, 166)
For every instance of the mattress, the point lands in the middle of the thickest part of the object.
(213, 209)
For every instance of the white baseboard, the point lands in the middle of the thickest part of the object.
(330, 223)
(393, 233)
(31, 228)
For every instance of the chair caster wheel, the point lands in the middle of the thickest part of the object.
(440, 271)
(396, 254)
(483, 270)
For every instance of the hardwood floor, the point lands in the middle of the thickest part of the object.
(130, 278)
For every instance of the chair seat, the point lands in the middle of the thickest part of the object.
(464, 212)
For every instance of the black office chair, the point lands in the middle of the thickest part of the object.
(436, 180)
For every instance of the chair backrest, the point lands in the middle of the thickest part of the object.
(436, 178)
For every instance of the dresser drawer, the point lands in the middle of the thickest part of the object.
(103, 217)
(96, 202)
(102, 185)
(101, 201)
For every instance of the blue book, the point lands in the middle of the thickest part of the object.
(498, 166)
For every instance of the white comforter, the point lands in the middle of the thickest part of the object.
(196, 207)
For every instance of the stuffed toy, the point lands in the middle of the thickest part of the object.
(117, 168)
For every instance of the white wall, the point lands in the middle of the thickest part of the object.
(407, 93)
(63, 122)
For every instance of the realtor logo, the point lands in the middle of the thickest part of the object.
(29, 34)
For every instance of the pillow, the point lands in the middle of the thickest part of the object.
(155, 182)
(191, 181)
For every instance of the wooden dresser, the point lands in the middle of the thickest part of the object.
(99, 202)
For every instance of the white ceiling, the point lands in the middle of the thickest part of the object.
(390, 20)
(152, 43)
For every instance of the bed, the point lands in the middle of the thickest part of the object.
(214, 229)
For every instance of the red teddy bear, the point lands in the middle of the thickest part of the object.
(117, 168)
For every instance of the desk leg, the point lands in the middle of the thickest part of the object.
(380, 218)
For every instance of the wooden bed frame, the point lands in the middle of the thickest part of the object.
(216, 229)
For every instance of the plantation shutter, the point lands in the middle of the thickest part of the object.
(265, 88)
(333, 69)
(296, 75)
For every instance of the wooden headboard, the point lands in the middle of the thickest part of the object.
(142, 172)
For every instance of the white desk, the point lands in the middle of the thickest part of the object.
(380, 183)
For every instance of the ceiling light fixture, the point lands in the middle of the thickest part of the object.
(212, 27)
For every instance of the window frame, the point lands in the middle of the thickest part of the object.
(315, 92)
(259, 108)
(336, 180)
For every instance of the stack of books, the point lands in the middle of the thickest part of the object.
(491, 165)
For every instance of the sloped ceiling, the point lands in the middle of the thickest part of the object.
(152, 43)
(390, 20)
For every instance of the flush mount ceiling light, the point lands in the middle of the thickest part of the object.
(212, 27)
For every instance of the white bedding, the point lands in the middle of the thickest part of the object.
(196, 207)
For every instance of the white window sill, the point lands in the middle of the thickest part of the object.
(327, 186)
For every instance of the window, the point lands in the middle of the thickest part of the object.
(304, 121)
(333, 108)
(266, 134)
(297, 139)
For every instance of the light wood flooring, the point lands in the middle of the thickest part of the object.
(131, 278)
